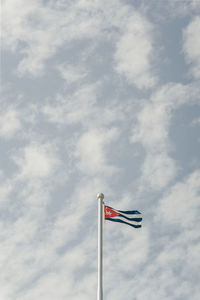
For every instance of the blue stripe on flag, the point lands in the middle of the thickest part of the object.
(130, 212)
(120, 221)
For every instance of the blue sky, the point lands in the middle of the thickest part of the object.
(99, 96)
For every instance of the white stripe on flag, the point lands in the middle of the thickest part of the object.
(135, 216)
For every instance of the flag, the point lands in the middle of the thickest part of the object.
(129, 217)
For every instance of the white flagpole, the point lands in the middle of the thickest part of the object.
(100, 198)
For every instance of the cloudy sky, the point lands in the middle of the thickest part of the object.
(99, 96)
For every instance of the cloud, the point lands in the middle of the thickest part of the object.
(177, 217)
(36, 161)
(33, 33)
(65, 147)
(181, 204)
(91, 151)
(74, 286)
(119, 265)
(37, 165)
(158, 170)
(134, 52)
(191, 46)
(38, 250)
(33, 30)
(10, 123)
(5, 189)
(82, 107)
(72, 73)
(75, 109)
(183, 8)
(16, 240)
(152, 131)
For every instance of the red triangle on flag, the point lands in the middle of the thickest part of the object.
(109, 212)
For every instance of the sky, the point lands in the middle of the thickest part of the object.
(99, 96)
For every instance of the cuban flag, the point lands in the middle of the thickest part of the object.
(129, 217)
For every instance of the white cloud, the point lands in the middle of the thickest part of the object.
(16, 238)
(10, 123)
(119, 240)
(165, 273)
(183, 7)
(33, 30)
(152, 131)
(82, 107)
(38, 252)
(191, 46)
(38, 164)
(134, 52)
(154, 122)
(91, 151)
(48, 246)
(181, 204)
(126, 250)
(158, 170)
(72, 73)
(5, 190)
(67, 283)
(75, 109)
(36, 161)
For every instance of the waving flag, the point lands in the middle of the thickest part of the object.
(129, 217)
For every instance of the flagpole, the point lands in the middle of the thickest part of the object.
(100, 198)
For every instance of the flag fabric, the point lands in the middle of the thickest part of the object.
(129, 217)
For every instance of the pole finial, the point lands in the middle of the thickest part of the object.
(100, 196)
